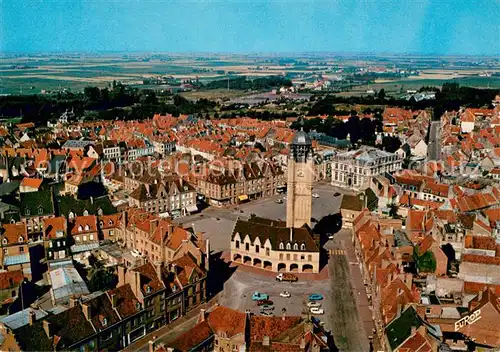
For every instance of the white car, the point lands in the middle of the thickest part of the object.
(285, 294)
(313, 304)
(315, 195)
(317, 311)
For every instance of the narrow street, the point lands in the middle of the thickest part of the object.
(352, 317)
(434, 146)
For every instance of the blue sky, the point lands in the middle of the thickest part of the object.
(379, 26)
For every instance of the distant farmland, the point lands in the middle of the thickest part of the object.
(31, 74)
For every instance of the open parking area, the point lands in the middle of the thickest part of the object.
(239, 288)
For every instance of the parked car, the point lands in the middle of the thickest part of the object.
(284, 198)
(315, 297)
(257, 296)
(315, 195)
(312, 304)
(336, 194)
(317, 311)
(266, 313)
(264, 301)
(279, 201)
(266, 307)
(285, 294)
(286, 277)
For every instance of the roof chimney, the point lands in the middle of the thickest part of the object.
(47, 327)
(87, 311)
(302, 344)
(152, 344)
(73, 301)
(31, 317)
(202, 315)
(114, 300)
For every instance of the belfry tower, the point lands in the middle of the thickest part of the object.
(300, 180)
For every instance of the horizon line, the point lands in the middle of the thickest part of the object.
(257, 53)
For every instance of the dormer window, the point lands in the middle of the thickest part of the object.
(80, 228)
(21, 239)
(302, 247)
(87, 227)
(174, 288)
(104, 321)
(4, 241)
(40, 211)
(295, 247)
(288, 246)
(137, 305)
(101, 224)
(27, 212)
(281, 246)
(110, 222)
(148, 289)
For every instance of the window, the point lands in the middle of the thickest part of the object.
(4, 241)
(309, 257)
(281, 245)
(257, 249)
(267, 251)
(288, 246)
(237, 244)
(281, 256)
(302, 247)
(27, 212)
(21, 239)
(295, 247)
(40, 211)
(247, 246)
(91, 237)
(427, 311)
(21, 249)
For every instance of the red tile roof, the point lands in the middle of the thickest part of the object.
(270, 326)
(126, 302)
(228, 321)
(31, 182)
(10, 279)
(52, 225)
(15, 233)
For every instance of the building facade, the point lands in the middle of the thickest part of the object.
(250, 181)
(353, 169)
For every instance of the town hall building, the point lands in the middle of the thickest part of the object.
(283, 246)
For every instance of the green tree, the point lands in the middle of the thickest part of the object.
(426, 262)
(102, 279)
(381, 94)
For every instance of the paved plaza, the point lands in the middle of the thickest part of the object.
(347, 313)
